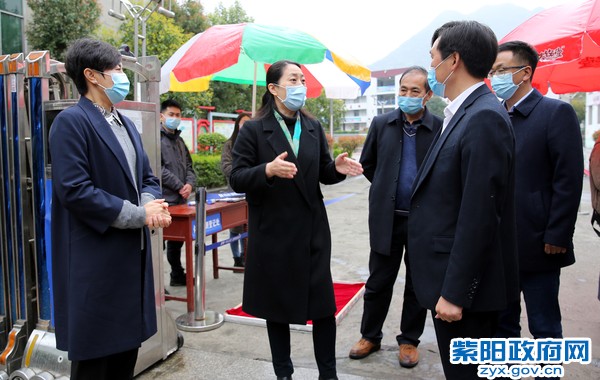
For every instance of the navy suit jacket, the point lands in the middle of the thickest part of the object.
(461, 234)
(549, 178)
(102, 276)
(381, 158)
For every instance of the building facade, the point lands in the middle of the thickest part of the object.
(379, 98)
(592, 117)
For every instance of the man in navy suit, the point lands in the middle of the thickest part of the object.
(548, 182)
(461, 228)
(395, 147)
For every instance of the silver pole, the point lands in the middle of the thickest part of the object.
(254, 89)
(200, 279)
(331, 123)
(200, 319)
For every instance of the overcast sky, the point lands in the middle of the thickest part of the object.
(365, 29)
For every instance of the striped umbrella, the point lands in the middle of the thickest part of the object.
(242, 53)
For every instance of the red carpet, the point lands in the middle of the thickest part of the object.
(346, 295)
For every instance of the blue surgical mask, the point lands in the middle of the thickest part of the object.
(295, 97)
(438, 88)
(120, 88)
(172, 123)
(503, 85)
(410, 105)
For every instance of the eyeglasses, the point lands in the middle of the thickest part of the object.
(504, 70)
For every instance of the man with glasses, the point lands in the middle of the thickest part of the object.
(548, 182)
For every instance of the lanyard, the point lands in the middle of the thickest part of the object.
(294, 141)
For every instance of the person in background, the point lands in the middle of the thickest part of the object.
(548, 184)
(178, 177)
(104, 198)
(461, 228)
(279, 160)
(395, 147)
(595, 190)
(237, 247)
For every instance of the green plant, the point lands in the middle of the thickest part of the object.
(210, 143)
(330, 141)
(349, 144)
(208, 171)
(57, 23)
(337, 151)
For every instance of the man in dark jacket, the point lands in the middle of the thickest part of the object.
(394, 149)
(178, 177)
(548, 182)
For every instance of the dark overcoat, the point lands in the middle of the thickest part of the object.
(381, 158)
(461, 228)
(287, 277)
(102, 276)
(549, 179)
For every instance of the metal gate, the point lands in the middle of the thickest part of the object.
(33, 90)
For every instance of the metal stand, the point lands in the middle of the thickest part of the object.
(201, 319)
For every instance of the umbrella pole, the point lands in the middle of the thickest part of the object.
(254, 89)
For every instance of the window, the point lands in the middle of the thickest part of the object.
(11, 26)
(12, 6)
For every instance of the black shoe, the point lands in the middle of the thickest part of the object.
(329, 378)
(284, 377)
(178, 280)
(238, 262)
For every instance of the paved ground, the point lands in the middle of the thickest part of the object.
(236, 351)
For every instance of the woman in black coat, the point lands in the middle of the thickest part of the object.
(279, 160)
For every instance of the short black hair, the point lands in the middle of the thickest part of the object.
(420, 70)
(524, 52)
(476, 44)
(169, 103)
(88, 53)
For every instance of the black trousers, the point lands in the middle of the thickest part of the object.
(324, 331)
(118, 366)
(383, 271)
(174, 258)
(472, 325)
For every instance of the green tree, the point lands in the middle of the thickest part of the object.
(578, 103)
(56, 23)
(436, 106)
(163, 36)
(321, 108)
(235, 14)
(228, 97)
(189, 15)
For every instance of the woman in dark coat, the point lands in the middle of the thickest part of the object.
(279, 159)
(103, 200)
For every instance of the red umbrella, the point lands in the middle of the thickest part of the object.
(567, 38)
